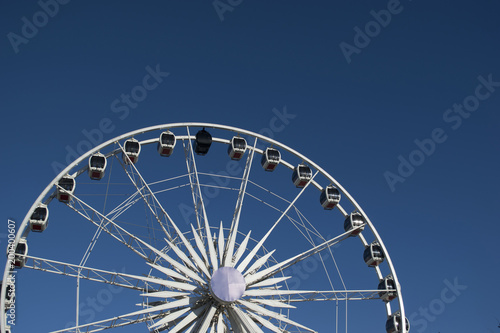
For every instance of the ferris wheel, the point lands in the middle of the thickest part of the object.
(198, 227)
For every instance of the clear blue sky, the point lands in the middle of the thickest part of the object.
(357, 105)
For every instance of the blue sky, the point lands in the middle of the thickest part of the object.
(357, 113)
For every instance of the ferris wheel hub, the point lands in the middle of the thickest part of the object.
(227, 285)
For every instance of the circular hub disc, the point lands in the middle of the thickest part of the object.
(227, 285)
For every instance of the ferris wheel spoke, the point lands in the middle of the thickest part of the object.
(122, 207)
(198, 199)
(259, 309)
(88, 273)
(183, 269)
(236, 325)
(259, 263)
(272, 303)
(102, 325)
(220, 244)
(144, 191)
(257, 247)
(138, 242)
(270, 282)
(110, 227)
(194, 180)
(279, 267)
(313, 231)
(181, 303)
(221, 325)
(246, 322)
(191, 328)
(171, 317)
(241, 248)
(336, 295)
(163, 213)
(228, 256)
(203, 324)
(312, 295)
(266, 323)
(167, 283)
(169, 272)
(132, 318)
(195, 314)
(211, 248)
(182, 256)
(200, 246)
(165, 294)
(200, 264)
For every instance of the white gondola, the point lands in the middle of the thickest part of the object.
(132, 149)
(393, 324)
(330, 197)
(97, 166)
(65, 188)
(20, 253)
(302, 174)
(39, 219)
(354, 220)
(373, 254)
(270, 159)
(385, 286)
(237, 148)
(166, 143)
(202, 142)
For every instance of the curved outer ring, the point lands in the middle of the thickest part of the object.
(83, 157)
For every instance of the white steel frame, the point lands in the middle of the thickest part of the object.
(191, 266)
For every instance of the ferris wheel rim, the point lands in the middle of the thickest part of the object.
(23, 230)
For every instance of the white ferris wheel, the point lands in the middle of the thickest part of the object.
(198, 227)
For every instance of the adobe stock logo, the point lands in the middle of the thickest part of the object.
(449, 294)
(29, 29)
(122, 107)
(222, 6)
(428, 146)
(372, 29)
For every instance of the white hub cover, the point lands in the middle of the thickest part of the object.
(227, 284)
